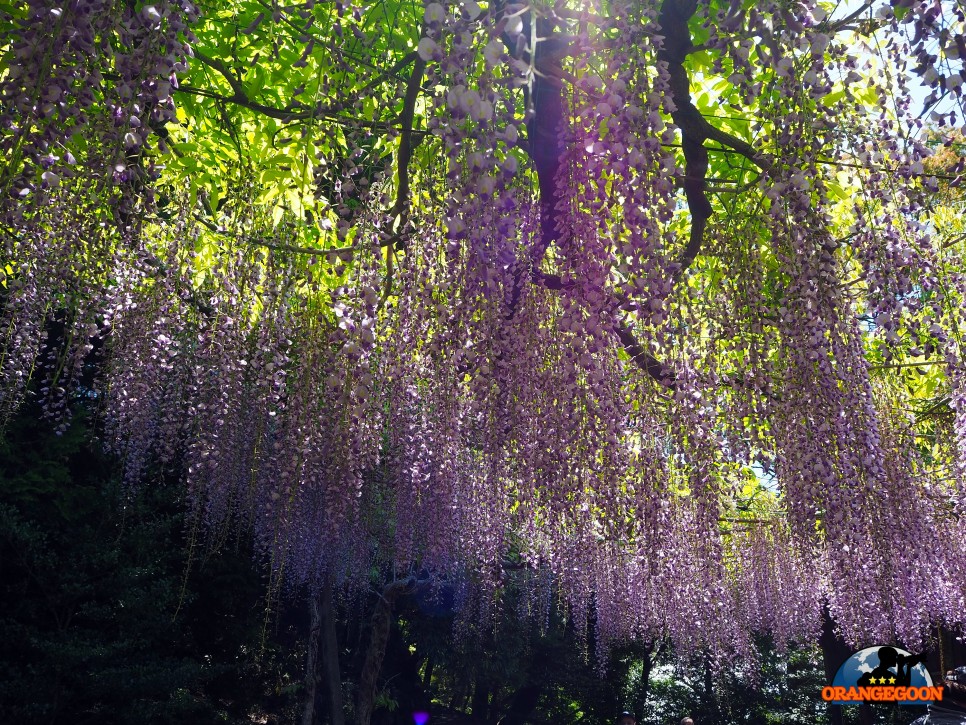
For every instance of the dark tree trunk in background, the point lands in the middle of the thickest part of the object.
(710, 698)
(401, 671)
(323, 641)
(522, 704)
(312, 663)
(834, 653)
(949, 652)
(332, 675)
(651, 653)
(481, 701)
(355, 640)
(379, 627)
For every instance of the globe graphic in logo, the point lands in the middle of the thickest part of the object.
(882, 666)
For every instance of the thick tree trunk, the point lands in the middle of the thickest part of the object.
(312, 662)
(710, 696)
(378, 639)
(481, 702)
(522, 705)
(651, 653)
(330, 659)
(323, 641)
(834, 653)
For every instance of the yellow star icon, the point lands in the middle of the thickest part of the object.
(892, 680)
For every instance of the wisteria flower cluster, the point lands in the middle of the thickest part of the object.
(643, 342)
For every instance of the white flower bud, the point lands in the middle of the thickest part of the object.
(493, 52)
(454, 97)
(455, 227)
(484, 111)
(487, 185)
(819, 42)
(151, 14)
(470, 102)
(435, 13)
(426, 48)
(471, 8)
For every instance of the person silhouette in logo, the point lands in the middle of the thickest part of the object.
(884, 676)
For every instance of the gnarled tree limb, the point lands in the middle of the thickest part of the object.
(400, 209)
(546, 148)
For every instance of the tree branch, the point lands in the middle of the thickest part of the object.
(324, 42)
(673, 19)
(736, 144)
(841, 24)
(338, 251)
(400, 209)
(695, 128)
(641, 357)
(235, 83)
(647, 362)
(289, 115)
(393, 71)
(545, 149)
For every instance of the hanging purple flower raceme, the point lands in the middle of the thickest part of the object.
(777, 589)
(476, 123)
(933, 48)
(149, 330)
(64, 51)
(61, 259)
